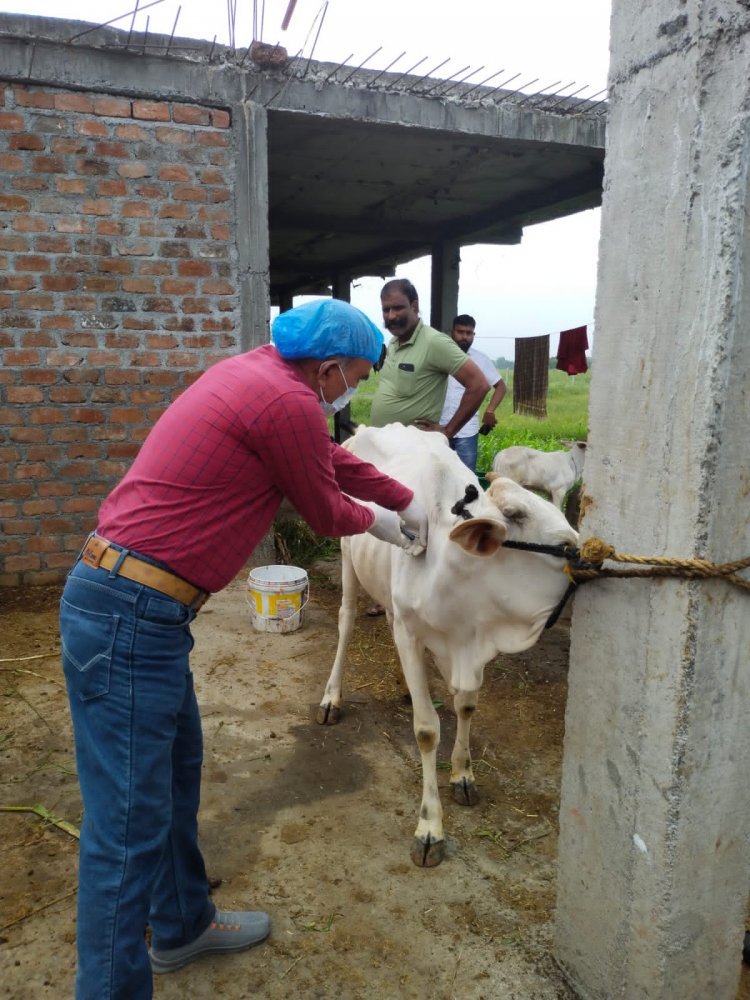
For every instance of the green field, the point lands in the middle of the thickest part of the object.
(567, 416)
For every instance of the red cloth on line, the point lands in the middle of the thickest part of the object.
(571, 351)
(211, 475)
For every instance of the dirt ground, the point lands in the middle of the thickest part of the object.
(313, 824)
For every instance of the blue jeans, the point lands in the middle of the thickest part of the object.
(139, 750)
(467, 448)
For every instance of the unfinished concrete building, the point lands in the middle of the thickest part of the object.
(156, 202)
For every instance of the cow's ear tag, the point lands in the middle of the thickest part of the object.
(479, 536)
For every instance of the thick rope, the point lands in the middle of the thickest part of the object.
(594, 552)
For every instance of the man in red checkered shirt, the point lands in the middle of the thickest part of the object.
(200, 495)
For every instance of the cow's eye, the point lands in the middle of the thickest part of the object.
(515, 514)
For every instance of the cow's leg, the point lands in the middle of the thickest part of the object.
(558, 496)
(463, 786)
(329, 710)
(428, 848)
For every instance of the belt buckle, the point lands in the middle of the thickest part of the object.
(94, 550)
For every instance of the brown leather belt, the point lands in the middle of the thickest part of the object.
(98, 553)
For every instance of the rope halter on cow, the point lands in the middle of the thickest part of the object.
(586, 563)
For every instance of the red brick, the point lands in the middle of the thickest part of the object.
(190, 114)
(115, 149)
(39, 376)
(24, 394)
(80, 505)
(28, 435)
(125, 450)
(112, 266)
(143, 359)
(150, 191)
(212, 177)
(177, 286)
(57, 321)
(93, 206)
(45, 415)
(212, 215)
(199, 341)
(25, 140)
(220, 119)
(151, 229)
(17, 282)
(134, 170)
(35, 300)
(70, 185)
(158, 303)
(155, 267)
(63, 145)
(43, 452)
(74, 102)
(111, 189)
(112, 107)
(130, 323)
(52, 244)
(136, 248)
(173, 172)
(84, 449)
(194, 268)
(151, 111)
(8, 510)
(136, 210)
(22, 563)
(131, 133)
(218, 286)
(26, 98)
(10, 162)
(160, 342)
(108, 394)
(216, 326)
(35, 338)
(217, 196)
(54, 489)
(171, 211)
(43, 543)
(106, 227)
(32, 470)
(125, 415)
(13, 243)
(99, 284)
(18, 490)
(92, 168)
(103, 358)
(174, 136)
(30, 224)
(92, 128)
(32, 263)
(122, 377)
(62, 359)
(29, 184)
(85, 303)
(72, 225)
(10, 120)
(189, 193)
(211, 139)
(143, 285)
(48, 165)
(14, 203)
(67, 394)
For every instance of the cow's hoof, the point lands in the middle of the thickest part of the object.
(465, 792)
(328, 715)
(427, 854)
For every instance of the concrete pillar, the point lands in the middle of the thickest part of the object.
(655, 806)
(446, 260)
(252, 224)
(342, 421)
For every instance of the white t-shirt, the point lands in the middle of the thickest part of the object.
(455, 391)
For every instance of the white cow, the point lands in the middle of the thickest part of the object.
(551, 471)
(465, 599)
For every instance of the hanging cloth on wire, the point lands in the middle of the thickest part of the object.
(571, 351)
(530, 376)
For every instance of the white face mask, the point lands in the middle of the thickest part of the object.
(340, 402)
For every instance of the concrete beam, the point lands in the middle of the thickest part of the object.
(655, 810)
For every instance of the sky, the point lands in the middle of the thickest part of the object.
(545, 284)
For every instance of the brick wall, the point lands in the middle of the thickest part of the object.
(118, 286)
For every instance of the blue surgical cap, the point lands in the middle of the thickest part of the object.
(326, 327)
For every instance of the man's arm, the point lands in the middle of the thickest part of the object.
(476, 388)
(488, 418)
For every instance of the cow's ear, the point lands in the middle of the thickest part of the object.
(489, 476)
(479, 536)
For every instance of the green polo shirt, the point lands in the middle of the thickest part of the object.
(414, 377)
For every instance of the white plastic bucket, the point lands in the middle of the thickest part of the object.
(277, 596)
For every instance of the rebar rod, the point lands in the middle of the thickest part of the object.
(174, 28)
(386, 68)
(362, 64)
(312, 50)
(486, 80)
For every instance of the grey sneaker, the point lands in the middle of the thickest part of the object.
(227, 932)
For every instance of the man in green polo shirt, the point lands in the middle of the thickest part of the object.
(415, 374)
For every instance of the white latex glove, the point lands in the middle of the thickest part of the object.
(387, 526)
(415, 520)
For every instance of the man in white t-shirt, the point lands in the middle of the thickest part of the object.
(465, 442)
